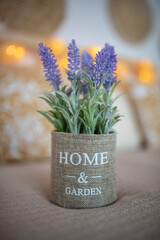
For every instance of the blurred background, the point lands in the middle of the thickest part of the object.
(132, 26)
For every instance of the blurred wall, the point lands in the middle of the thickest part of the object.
(89, 22)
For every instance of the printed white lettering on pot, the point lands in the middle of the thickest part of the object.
(65, 158)
(86, 192)
(86, 158)
(76, 159)
(104, 157)
(72, 160)
(99, 191)
(80, 192)
(83, 192)
(68, 190)
(92, 191)
(74, 192)
(82, 178)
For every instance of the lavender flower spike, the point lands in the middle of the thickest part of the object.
(74, 61)
(51, 70)
(106, 61)
(87, 64)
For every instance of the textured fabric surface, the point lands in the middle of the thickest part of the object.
(83, 170)
(26, 212)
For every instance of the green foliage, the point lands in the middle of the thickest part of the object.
(92, 113)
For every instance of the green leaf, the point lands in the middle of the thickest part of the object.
(73, 101)
(63, 89)
(67, 117)
(102, 81)
(51, 97)
(88, 78)
(59, 122)
(47, 101)
(113, 88)
(95, 122)
(66, 99)
(46, 115)
(86, 116)
(85, 125)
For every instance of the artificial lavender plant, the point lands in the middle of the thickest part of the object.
(52, 73)
(86, 106)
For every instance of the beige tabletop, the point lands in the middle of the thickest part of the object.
(26, 212)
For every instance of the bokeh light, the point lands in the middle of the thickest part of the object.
(20, 52)
(15, 51)
(63, 62)
(57, 45)
(147, 73)
(11, 50)
(94, 50)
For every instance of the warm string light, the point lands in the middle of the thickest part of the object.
(63, 62)
(57, 45)
(10, 50)
(15, 51)
(94, 50)
(147, 74)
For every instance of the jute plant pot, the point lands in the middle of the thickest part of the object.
(83, 170)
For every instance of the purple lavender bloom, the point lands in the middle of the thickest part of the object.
(52, 73)
(106, 62)
(87, 64)
(84, 88)
(74, 61)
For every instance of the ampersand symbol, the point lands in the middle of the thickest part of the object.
(82, 178)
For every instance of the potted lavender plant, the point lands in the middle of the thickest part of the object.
(83, 165)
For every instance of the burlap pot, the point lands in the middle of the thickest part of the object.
(83, 170)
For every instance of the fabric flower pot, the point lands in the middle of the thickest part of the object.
(83, 170)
